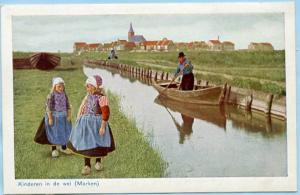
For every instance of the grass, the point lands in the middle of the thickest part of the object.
(133, 157)
(258, 70)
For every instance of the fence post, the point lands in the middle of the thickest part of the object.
(249, 100)
(227, 97)
(269, 103)
(155, 77)
(162, 76)
(223, 94)
(206, 83)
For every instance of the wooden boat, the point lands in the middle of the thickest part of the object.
(208, 95)
(43, 61)
(21, 63)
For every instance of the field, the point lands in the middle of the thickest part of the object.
(133, 157)
(257, 70)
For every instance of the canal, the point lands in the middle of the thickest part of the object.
(204, 141)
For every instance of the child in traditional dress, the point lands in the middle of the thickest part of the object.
(91, 135)
(56, 126)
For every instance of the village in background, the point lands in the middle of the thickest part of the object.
(138, 43)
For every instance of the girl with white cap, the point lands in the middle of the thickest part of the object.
(91, 136)
(56, 126)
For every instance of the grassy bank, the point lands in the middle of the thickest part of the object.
(133, 157)
(258, 70)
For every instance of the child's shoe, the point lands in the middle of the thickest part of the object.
(98, 166)
(86, 170)
(66, 151)
(55, 154)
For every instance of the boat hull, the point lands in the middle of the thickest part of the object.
(204, 95)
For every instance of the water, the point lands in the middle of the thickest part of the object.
(204, 141)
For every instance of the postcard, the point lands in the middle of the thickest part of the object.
(149, 98)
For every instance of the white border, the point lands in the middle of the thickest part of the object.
(217, 184)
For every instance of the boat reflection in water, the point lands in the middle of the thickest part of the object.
(219, 116)
(185, 129)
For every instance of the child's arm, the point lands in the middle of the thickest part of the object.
(49, 109)
(68, 109)
(103, 102)
(69, 115)
(81, 108)
(50, 118)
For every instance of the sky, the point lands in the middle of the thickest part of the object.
(58, 33)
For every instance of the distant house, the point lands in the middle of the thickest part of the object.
(198, 45)
(108, 46)
(161, 45)
(214, 45)
(96, 47)
(165, 45)
(130, 46)
(227, 46)
(79, 47)
(120, 45)
(137, 39)
(123, 45)
(264, 46)
(148, 45)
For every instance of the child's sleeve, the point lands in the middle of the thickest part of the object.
(83, 105)
(49, 103)
(103, 102)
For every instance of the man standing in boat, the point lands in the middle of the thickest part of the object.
(185, 68)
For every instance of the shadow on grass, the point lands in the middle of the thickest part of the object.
(66, 68)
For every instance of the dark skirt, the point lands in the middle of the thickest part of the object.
(41, 136)
(187, 82)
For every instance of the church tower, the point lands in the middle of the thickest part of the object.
(130, 33)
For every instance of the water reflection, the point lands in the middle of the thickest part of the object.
(254, 122)
(132, 77)
(218, 115)
(185, 129)
(212, 114)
